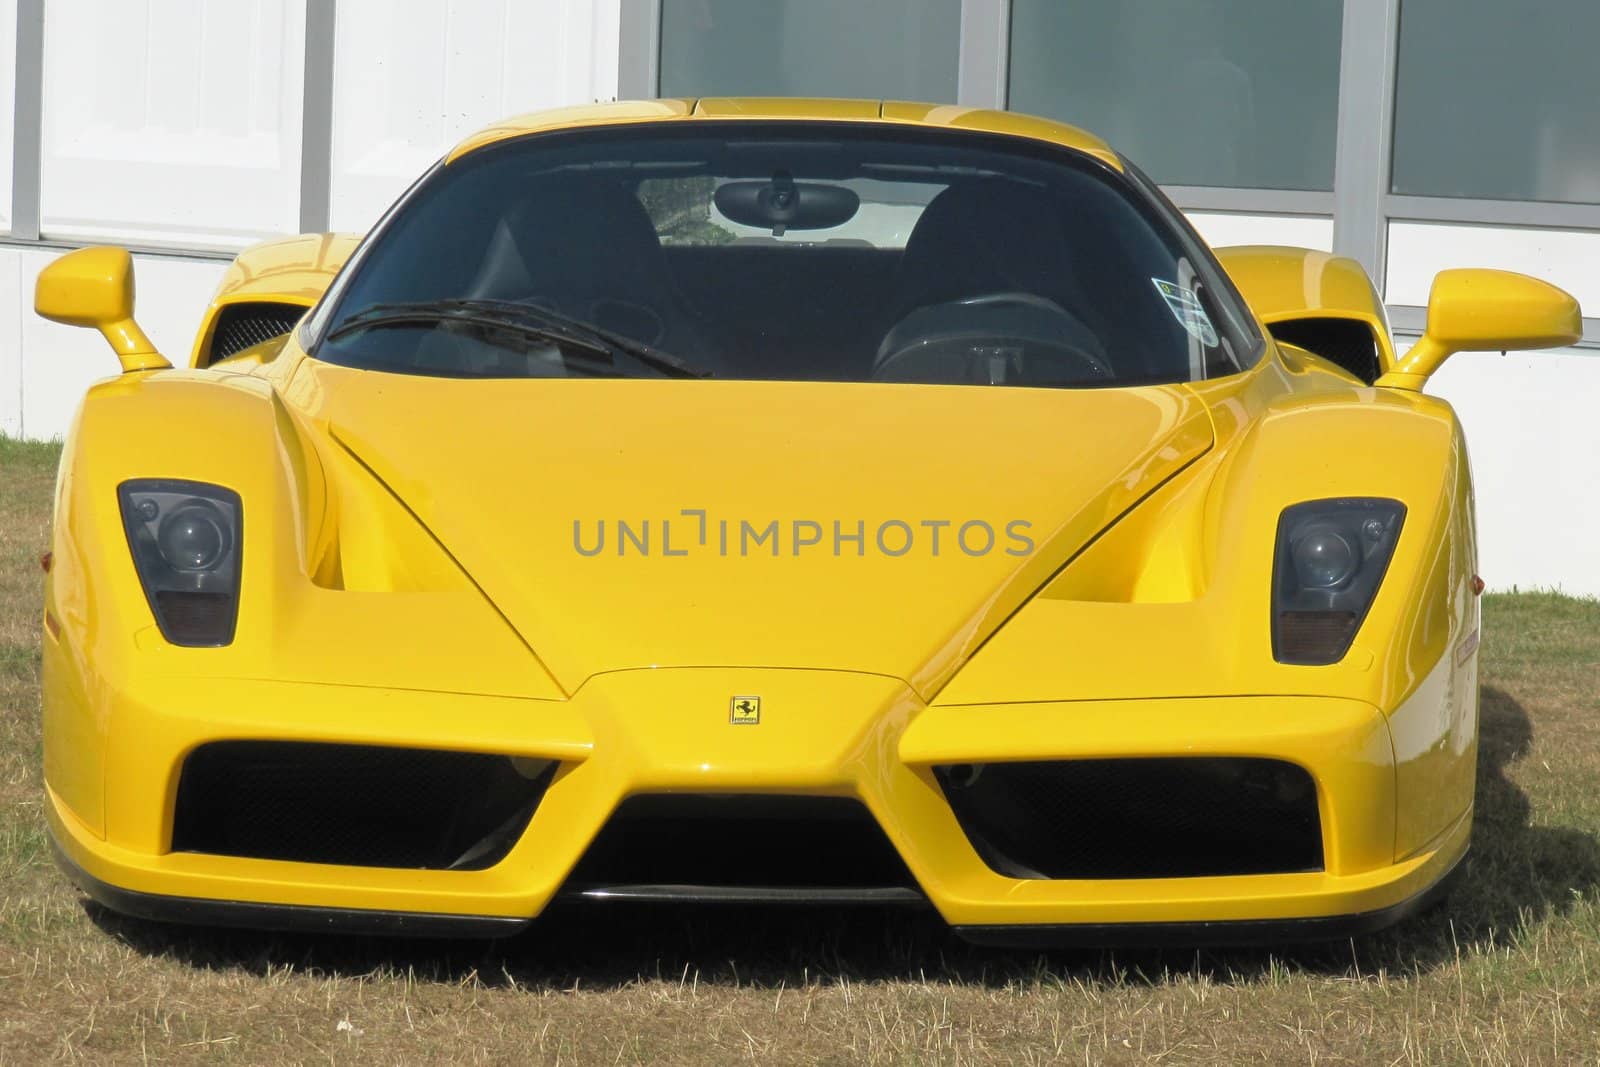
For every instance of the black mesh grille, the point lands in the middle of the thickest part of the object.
(196, 619)
(1345, 342)
(742, 841)
(355, 804)
(1314, 636)
(1137, 818)
(241, 326)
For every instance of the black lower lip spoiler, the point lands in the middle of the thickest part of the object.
(295, 918)
(720, 894)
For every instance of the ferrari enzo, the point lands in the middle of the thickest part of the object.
(773, 501)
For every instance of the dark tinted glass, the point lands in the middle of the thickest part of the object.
(1239, 93)
(895, 49)
(1498, 100)
(790, 251)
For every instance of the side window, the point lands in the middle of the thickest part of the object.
(1215, 290)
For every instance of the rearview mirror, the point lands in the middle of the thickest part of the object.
(1487, 311)
(93, 287)
(785, 204)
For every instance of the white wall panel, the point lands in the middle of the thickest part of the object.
(1534, 441)
(1419, 250)
(8, 86)
(58, 363)
(172, 121)
(409, 84)
(11, 311)
(1221, 229)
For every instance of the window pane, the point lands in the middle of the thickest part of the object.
(172, 121)
(401, 96)
(1240, 93)
(1498, 100)
(895, 49)
(8, 54)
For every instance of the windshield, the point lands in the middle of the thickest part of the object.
(787, 251)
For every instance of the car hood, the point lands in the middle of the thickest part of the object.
(622, 524)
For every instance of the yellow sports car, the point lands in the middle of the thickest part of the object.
(773, 500)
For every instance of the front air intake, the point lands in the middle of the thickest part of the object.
(245, 325)
(360, 805)
(749, 848)
(1137, 818)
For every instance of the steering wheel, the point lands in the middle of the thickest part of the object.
(1012, 297)
(895, 350)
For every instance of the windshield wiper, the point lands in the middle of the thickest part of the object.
(527, 319)
(384, 316)
(644, 353)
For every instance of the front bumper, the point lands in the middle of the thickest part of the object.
(821, 733)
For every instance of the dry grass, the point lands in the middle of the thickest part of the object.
(1505, 973)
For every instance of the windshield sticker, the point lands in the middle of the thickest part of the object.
(1186, 308)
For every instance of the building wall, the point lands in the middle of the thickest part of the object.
(1534, 440)
(410, 80)
(45, 368)
(178, 125)
(189, 129)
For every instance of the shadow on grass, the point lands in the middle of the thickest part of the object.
(1517, 873)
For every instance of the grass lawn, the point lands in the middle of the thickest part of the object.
(1506, 972)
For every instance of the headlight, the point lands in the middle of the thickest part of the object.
(1330, 560)
(186, 539)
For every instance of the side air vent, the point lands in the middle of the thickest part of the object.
(751, 848)
(1137, 818)
(242, 326)
(1347, 343)
(361, 805)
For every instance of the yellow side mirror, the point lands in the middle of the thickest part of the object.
(94, 287)
(1487, 311)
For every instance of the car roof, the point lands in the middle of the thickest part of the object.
(791, 109)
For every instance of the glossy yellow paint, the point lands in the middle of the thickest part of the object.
(1172, 574)
(822, 732)
(1477, 310)
(291, 270)
(889, 112)
(866, 666)
(414, 577)
(93, 287)
(916, 616)
(1283, 284)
